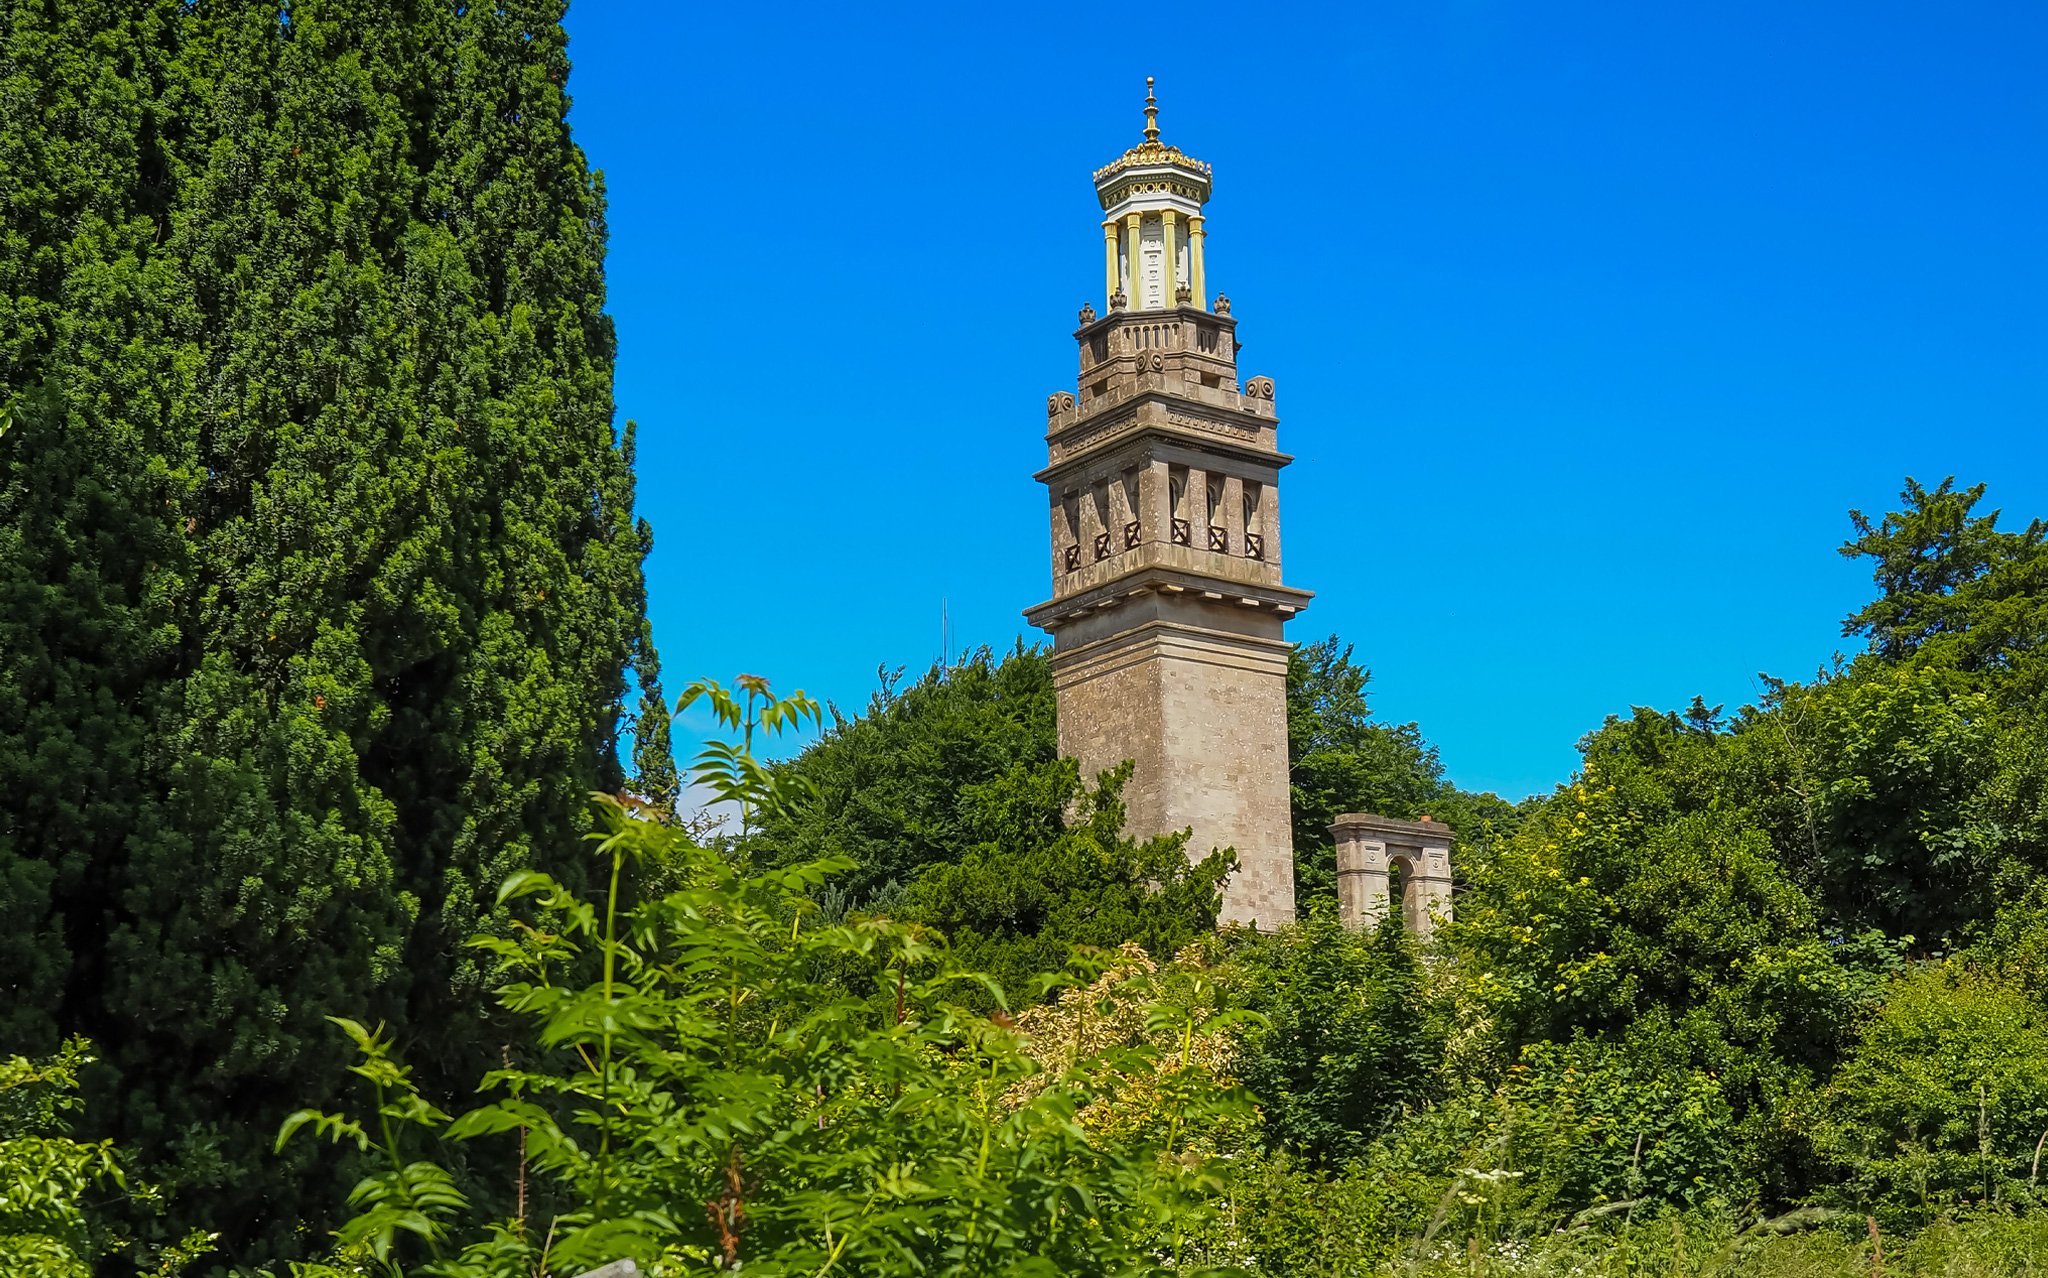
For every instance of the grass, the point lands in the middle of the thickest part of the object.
(1804, 1245)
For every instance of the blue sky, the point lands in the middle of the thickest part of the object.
(1589, 322)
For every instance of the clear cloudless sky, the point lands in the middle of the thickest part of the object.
(1589, 322)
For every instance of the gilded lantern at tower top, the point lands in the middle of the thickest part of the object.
(1152, 232)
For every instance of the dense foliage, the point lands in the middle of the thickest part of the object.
(709, 1103)
(1348, 1042)
(319, 580)
(320, 609)
(903, 786)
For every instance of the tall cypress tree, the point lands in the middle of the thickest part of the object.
(90, 560)
(348, 640)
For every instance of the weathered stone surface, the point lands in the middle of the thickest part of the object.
(1203, 712)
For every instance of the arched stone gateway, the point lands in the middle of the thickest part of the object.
(1374, 853)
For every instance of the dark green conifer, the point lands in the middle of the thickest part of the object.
(319, 552)
(92, 560)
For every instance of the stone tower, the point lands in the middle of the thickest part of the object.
(1163, 485)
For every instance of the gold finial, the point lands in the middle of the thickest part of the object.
(1151, 113)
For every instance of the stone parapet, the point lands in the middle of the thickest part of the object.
(1182, 351)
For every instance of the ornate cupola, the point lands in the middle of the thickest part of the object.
(1152, 197)
(1167, 602)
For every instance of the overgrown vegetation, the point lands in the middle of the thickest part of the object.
(1691, 1017)
(740, 1087)
(320, 614)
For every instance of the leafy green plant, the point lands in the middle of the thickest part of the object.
(716, 1100)
(45, 1175)
(51, 1182)
(729, 769)
(1347, 1042)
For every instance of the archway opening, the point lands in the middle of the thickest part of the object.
(1404, 896)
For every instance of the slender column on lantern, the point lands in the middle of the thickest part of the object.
(1109, 260)
(1135, 267)
(1195, 279)
(1169, 229)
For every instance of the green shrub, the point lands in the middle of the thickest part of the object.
(1279, 1215)
(1574, 1129)
(45, 1175)
(718, 1097)
(1945, 1101)
(1347, 1040)
(53, 1185)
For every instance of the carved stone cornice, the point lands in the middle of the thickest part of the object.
(1094, 430)
(1154, 578)
(1166, 417)
(1368, 824)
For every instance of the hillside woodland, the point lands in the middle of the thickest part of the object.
(350, 923)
